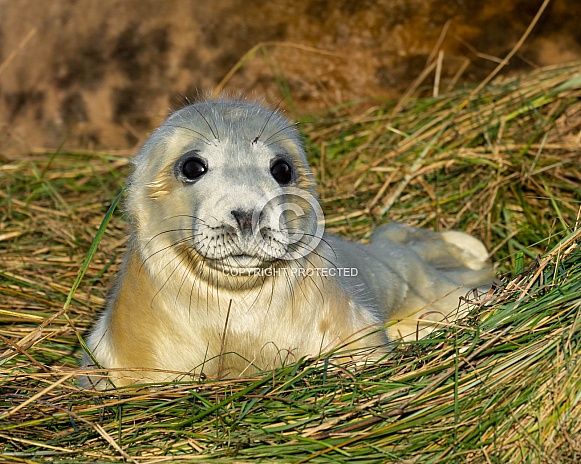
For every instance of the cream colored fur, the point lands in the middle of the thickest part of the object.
(199, 295)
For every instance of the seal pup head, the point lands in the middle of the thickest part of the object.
(221, 189)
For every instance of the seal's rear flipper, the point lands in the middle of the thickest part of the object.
(447, 251)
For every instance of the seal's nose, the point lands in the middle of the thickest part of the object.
(244, 220)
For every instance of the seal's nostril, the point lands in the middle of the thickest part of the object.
(244, 219)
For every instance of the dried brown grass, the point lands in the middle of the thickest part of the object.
(503, 164)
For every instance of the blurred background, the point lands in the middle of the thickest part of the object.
(99, 75)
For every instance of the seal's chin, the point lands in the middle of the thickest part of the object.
(240, 264)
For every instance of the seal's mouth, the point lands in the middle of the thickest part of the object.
(243, 261)
(240, 263)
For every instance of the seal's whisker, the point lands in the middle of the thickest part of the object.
(189, 271)
(168, 231)
(206, 121)
(256, 299)
(167, 280)
(278, 140)
(268, 142)
(189, 216)
(171, 245)
(199, 281)
(212, 115)
(314, 249)
(311, 277)
(202, 137)
(272, 113)
(306, 249)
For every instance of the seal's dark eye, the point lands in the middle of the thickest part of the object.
(193, 168)
(190, 167)
(281, 171)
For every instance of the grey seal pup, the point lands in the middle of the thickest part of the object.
(228, 270)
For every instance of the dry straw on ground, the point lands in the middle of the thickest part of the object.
(503, 386)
